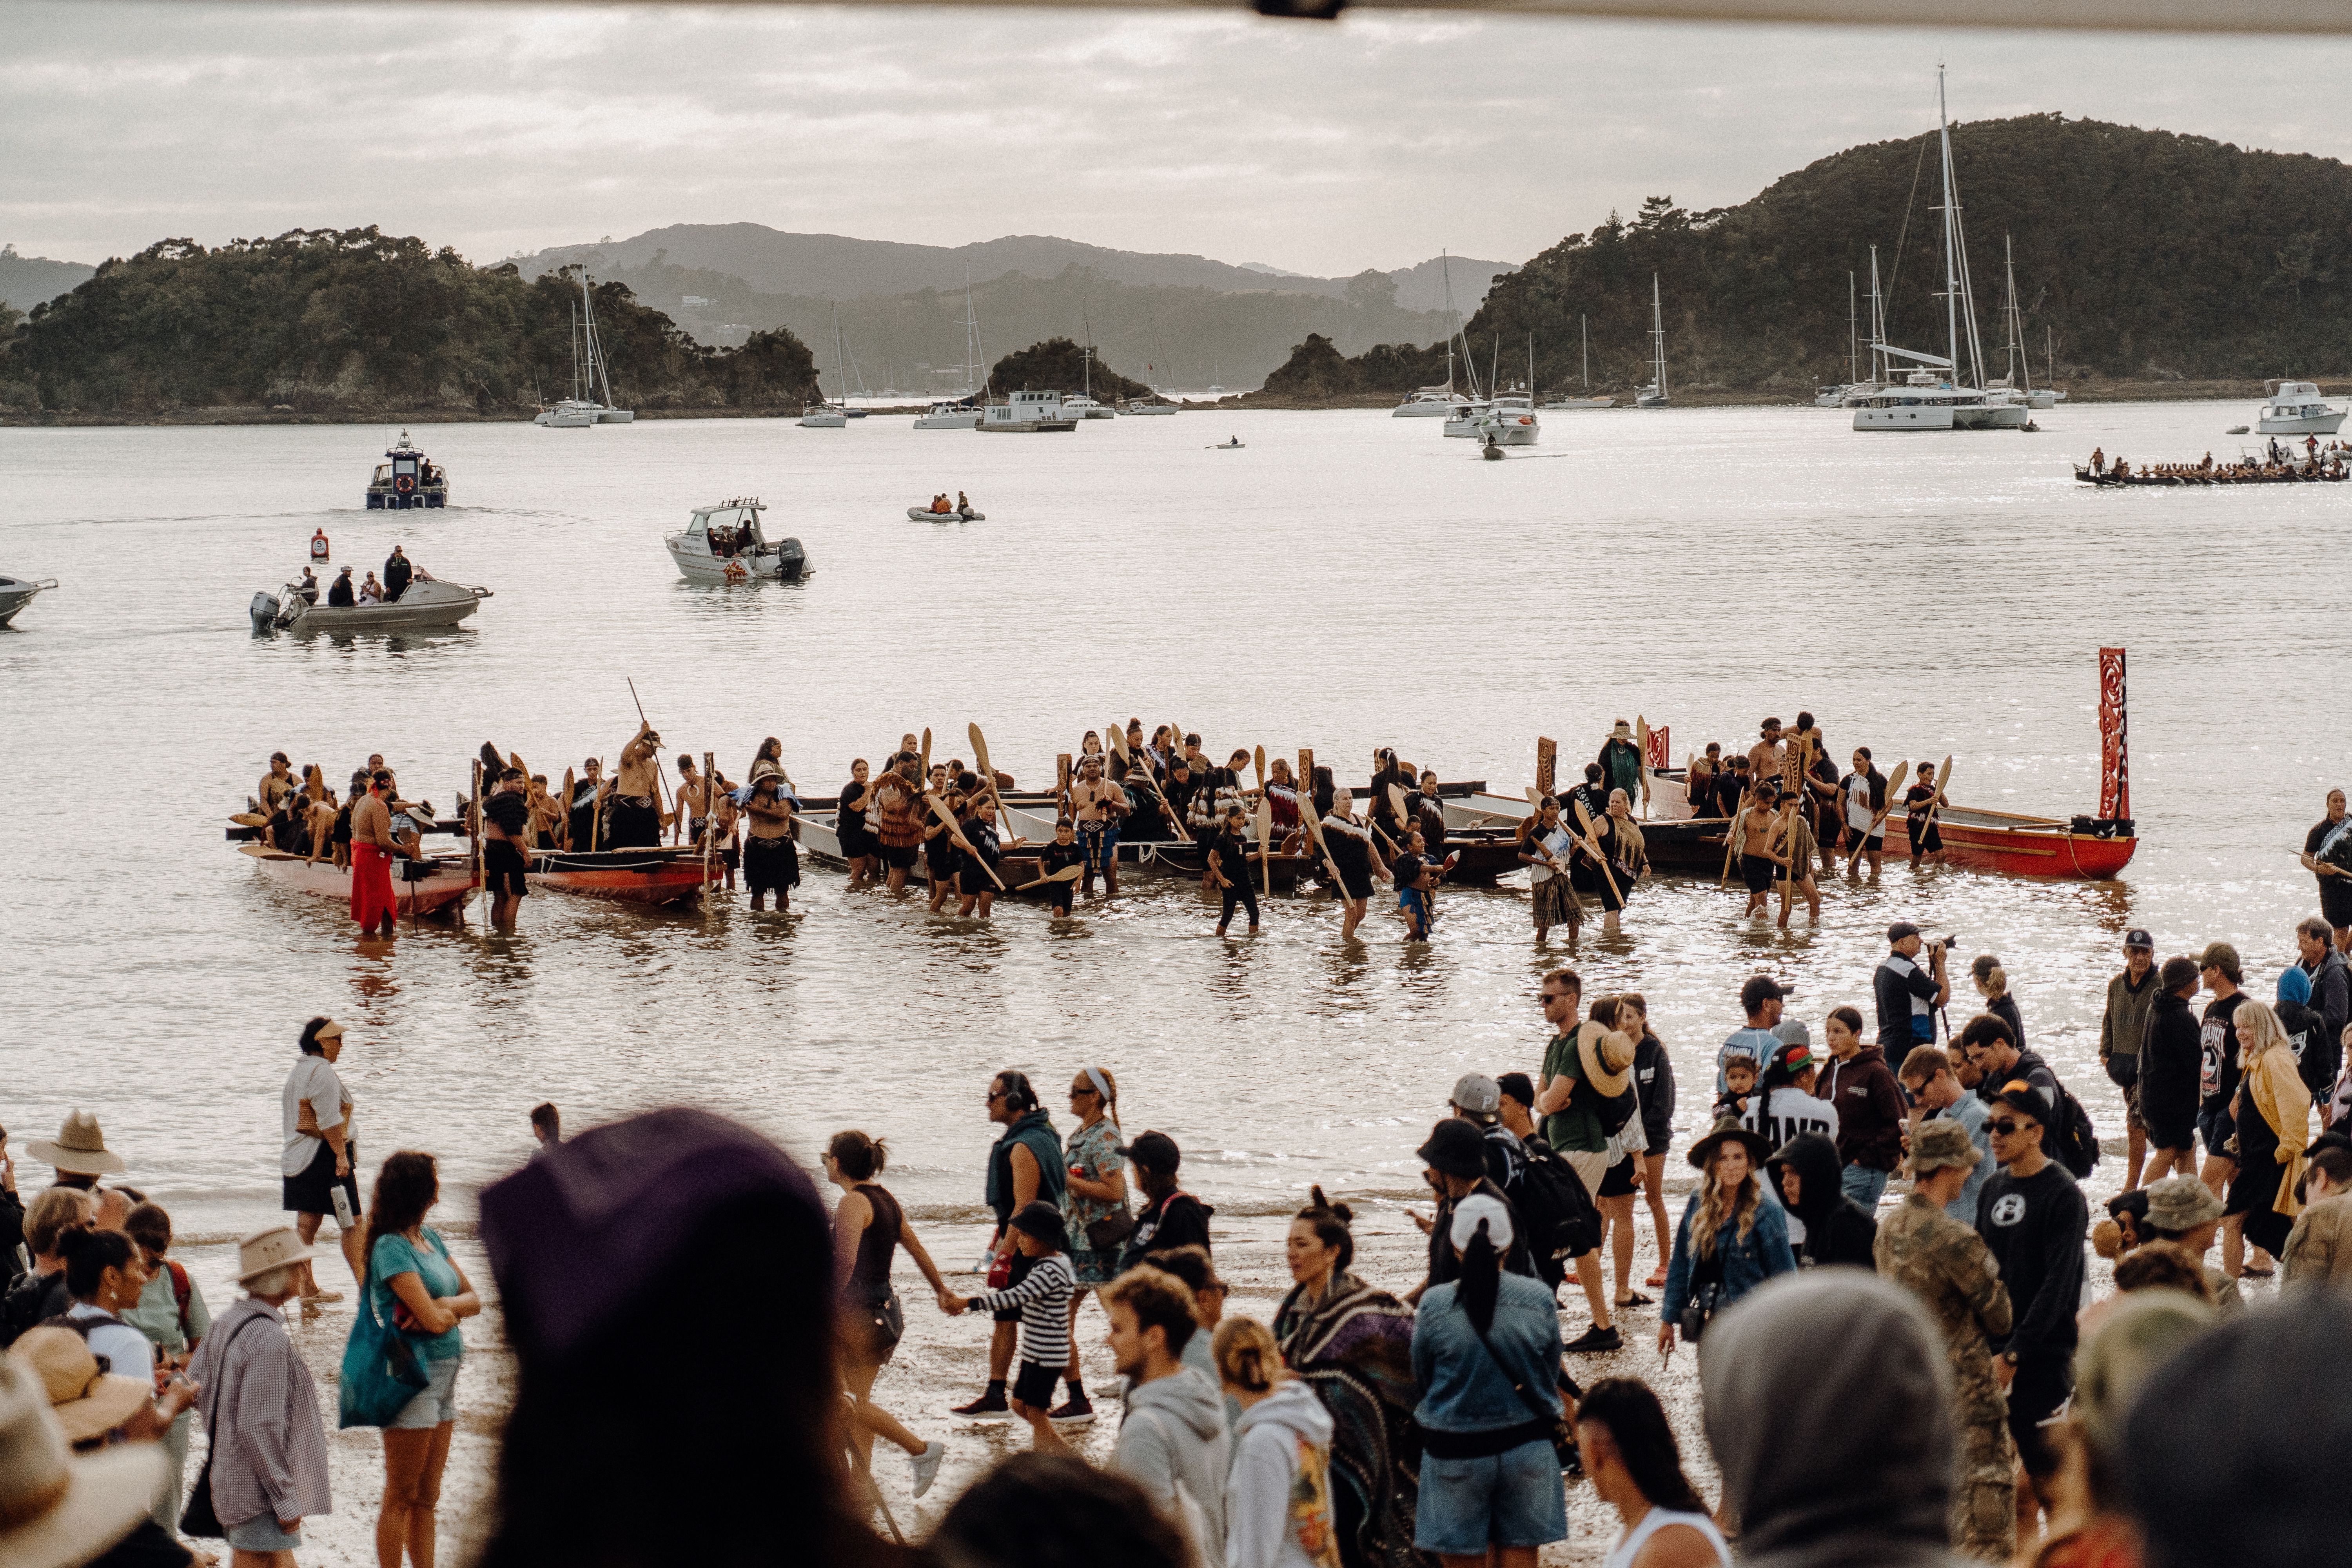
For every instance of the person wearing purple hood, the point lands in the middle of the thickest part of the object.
(628, 1445)
(1842, 1461)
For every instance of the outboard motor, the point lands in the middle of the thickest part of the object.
(264, 610)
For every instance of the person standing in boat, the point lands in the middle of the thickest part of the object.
(505, 827)
(771, 862)
(634, 820)
(1620, 761)
(582, 831)
(396, 574)
(373, 902)
(339, 596)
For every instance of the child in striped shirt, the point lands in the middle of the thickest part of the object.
(1043, 1296)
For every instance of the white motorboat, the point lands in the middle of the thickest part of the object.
(1463, 418)
(429, 603)
(2294, 408)
(960, 414)
(1932, 395)
(824, 416)
(1579, 405)
(723, 542)
(15, 592)
(409, 479)
(1153, 405)
(1509, 421)
(1427, 403)
(930, 514)
(1027, 412)
(1084, 407)
(583, 409)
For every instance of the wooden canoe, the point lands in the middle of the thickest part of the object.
(667, 875)
(449, 879)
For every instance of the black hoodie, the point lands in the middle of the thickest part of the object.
(2169, 1066)
(1837, 1228)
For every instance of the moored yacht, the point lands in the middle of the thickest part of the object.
(824, 416)
(1427, 403)
(2295, 408)
(956, 413)
(1027, 412)
(1655, 394)
(589, 382)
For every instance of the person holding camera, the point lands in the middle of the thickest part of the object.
(1907, 994)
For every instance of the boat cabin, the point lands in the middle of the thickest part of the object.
(408, 480)
(729, 528)
(1027, 408)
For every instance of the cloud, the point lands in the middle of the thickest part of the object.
(1373, 142)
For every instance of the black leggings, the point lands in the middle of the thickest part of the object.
(1238, 892)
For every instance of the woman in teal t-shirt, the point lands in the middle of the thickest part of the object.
(413, 1282)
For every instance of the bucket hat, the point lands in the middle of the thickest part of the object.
(1729, 1128)
(61, 1508)
(1454, 1149)
(79, 1147)
(272, 1248)
(1940, 1143)
(2180, 1202)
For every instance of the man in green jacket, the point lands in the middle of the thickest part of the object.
(2131, 999)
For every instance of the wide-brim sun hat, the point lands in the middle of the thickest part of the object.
(1703, 1151)
(79, 1147)
(274, 1247)
(88, 1403)
(61, 1509)
(1607, 1058)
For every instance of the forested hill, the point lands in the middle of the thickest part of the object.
(354, 323)
(2140, 255)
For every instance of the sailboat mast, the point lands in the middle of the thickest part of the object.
(1877, 321)
(1853, 330)
(575, 351)
(1951, 263)
(595, 350)
(1584, 348)
(1658, 337)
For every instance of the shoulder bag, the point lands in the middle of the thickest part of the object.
(380, 1370)
(200, 1521)
(1561, 1432)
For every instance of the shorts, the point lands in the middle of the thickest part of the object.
(1758, 872)
(260, 1534)
(857, 843)
(1512, 1499)
(503, 866)
(1021, 1267)
(1934, 841)
(1034, 1385)
(2336, 901)
(1621, 1179)
(2162, 1134)
(312, 1192)
(435, 1403)
(2037, 1391)
(897, 856)
(1873, 844)
(2216, 1127)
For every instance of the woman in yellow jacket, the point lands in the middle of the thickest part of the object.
(2272, 1113)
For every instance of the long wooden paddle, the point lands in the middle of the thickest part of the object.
(1796, 767)
(1592, 847)
(596, 817)
(563, 839)
(1641, 740)
(1066, 874)
(1118, 737)
(709, 820)
(1535, 803)
(1258, 762)
(1943, 777)
(980, 757)
(1313, 822)
(924, 766)
(955, 835)
(1266, 836)
(1878, 822)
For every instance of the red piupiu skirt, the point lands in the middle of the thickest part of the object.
(372, 899)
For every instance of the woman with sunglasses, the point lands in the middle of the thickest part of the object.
(1094, 1207)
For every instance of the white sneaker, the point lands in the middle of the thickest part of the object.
(926, 1465)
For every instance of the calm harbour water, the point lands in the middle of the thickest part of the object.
(1345, 581)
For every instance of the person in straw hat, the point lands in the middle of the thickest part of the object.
(79, 1151)
(1947, 1266)
(1732, 1238)
(268, 1460)
(59, 1509)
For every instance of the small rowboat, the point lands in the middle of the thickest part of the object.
(925, 514)
(446, 881)
(666, 875)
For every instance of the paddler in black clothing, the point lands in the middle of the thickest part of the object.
(506, 839)
(1350, 844)
(582, 809)
(1821, 782)
(1760, 859)
(1429, 814)
(1382, 806)
(1593, 792)
(1228, 860)
(1063, 853)
(975, 820)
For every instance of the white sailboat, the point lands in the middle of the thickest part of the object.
(1588, 403)
(1655, 394)
(831, 413)
(1444, 402)
(2018, 382)
(1509, 417)
(583, 409)
(961, 413)
(1926, 400)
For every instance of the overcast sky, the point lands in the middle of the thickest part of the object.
(1319, 148)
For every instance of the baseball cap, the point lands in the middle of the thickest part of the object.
(2137, 938)
(1479, 1206)
(1478, 1094)
(1793, 1057)
(2019, 1095)
(1901, 931)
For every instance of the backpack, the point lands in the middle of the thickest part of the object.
(1558, 1214)
(34, 1299)
(2075, 1140)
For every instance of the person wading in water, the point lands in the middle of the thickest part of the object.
(634, 816)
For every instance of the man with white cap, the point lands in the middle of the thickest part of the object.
(268, 1463)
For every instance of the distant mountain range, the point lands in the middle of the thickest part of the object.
(27, 280)
(835, 266)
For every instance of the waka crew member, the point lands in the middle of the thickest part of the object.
(506, 828)
(635, 818)
(859, 845)
(1543, 850)
(1798, 843)
(894, 805)
(979, 855)
(693, 803)
(1381, 811)
(1350, 844)
(397, 572)
(2326, 854)
(544, 814)
(1760, 859)
(1621, 760)
(1820, 786)
(1429, 813)
(1063, 853)
(1592, 792)
(582, 829)
(942, 857)
(1629, 855)
(1228, 862)
(1863, 791)
(372, 901)
(1416, 878)
(1097, 804)
(771, 862)
(1927, 838)
(1282, 794)
(1769, 754)
(726, 818)
(340, 596)
(276, 784)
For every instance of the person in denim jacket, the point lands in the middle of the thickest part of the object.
(1734, 1235)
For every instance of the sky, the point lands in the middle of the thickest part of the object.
(1319, 148)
